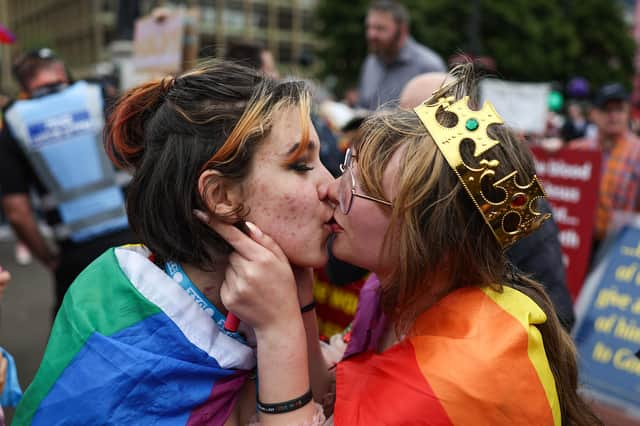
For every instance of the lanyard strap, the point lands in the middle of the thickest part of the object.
(175, 271)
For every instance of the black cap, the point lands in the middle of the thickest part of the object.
(611, 92)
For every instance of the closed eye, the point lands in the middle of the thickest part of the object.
(300, 167)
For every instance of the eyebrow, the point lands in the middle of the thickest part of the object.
(310, 147)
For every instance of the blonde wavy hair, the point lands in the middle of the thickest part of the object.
(440, 241)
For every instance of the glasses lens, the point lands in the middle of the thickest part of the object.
(345, 195)
(346, 163)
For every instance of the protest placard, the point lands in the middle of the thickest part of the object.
(158, 42)
(335, 305)
(522, 106)
(166, 41)
(607, 332)
(570, 179)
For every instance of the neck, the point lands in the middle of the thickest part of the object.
(388, 58)
(209, 282)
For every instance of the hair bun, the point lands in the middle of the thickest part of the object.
(124, 133)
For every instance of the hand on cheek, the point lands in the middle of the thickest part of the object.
(259, 286)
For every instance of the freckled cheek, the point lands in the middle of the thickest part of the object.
(283, 217)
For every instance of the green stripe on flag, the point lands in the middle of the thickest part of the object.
(100, 300)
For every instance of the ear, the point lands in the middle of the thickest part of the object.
(219, 196)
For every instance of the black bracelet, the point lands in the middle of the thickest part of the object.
(309, 307)
(286, 406)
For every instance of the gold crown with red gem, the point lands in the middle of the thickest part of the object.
(514, 216)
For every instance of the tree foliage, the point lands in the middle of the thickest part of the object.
(529, 40)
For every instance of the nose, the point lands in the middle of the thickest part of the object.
(324, 180)
(329, 191)
(370, 32)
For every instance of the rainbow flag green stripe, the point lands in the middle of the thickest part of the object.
(74, 324)
(130, 346)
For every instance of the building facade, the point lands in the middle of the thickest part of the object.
(82, 32)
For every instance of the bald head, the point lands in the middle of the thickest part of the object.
(420, 88)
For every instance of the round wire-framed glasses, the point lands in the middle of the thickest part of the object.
(347, 188)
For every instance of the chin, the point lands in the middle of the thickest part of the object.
(344, 255)
(306, 258)
(315, 262)
(347, 255)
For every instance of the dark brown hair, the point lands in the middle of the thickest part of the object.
(28, 64)
(171, 130)
(438, 231)
(395, 8)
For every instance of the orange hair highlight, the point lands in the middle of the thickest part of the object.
(124, 141)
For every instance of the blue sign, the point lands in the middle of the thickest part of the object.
(608, 330)
(60, 127)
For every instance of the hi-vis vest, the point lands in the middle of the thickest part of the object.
(61, 135)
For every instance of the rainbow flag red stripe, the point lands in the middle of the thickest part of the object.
(475, 358)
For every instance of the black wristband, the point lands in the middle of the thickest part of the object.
(309, 307)
(286, 406)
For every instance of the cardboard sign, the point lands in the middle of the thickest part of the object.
(570, 178)
(158, 42)
(607, 332)
(522, 106)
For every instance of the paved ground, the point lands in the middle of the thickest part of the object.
(25, 313)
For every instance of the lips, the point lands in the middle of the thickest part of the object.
(335, 227)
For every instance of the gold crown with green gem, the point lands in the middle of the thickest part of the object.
(514, 216)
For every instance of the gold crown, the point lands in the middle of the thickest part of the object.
(514, 216)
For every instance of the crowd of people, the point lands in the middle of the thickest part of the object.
(185, 243)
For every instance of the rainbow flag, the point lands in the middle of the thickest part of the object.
(130, 346)
(475, 358)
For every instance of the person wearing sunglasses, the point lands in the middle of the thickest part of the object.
(447, 331)
(52, 142)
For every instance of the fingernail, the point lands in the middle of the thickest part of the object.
(254, 229)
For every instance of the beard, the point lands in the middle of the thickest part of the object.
(387, 50)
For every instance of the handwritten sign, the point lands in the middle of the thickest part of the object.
(607, 333)
(570, 179)
(157, 43)
(522, 106)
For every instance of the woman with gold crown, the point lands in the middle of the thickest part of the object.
(446, 332)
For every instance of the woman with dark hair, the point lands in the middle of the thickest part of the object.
(140, 337)
(447, 332)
